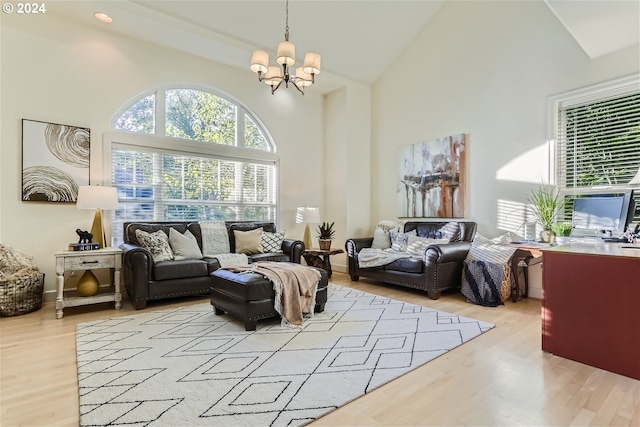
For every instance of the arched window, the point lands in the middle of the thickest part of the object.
(183, 154)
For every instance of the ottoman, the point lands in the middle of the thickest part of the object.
(250, 296)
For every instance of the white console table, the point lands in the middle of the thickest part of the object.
(87, 260)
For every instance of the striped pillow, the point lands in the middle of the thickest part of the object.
(451, 231)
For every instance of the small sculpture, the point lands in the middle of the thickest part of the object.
(85, 236)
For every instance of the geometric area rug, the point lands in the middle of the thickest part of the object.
(189, 367)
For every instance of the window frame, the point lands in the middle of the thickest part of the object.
(591, 94)
(161, 143)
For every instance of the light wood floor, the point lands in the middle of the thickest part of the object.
(499, 378)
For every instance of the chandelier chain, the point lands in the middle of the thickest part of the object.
(286, 29)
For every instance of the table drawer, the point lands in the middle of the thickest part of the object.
(86, 262)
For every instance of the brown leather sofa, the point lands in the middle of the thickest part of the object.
(146, 280)
(440, 269)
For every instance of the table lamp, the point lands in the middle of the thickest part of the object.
(307, 215)
(98, 198)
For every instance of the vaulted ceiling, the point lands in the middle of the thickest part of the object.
(358, 39)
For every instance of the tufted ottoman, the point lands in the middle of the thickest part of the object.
(250, 296)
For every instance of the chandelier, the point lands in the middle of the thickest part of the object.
(273, 75)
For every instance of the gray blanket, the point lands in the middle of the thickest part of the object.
(369, 257)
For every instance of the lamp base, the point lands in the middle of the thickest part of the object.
(307, 237)
(97, 229)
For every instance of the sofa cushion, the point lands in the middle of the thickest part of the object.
(408, 265)
(248, 242)
(183, 269)
(157, 243)
(271, 256)
(247, 226)
(184, 246)
(272, 242)
(399, 240)
(215, 238)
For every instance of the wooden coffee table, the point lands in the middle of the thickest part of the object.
(320, 258)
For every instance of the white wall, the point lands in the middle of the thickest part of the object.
(486, 69)
(63, 72)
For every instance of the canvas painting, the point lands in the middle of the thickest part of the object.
(432, 178)
(55, 161)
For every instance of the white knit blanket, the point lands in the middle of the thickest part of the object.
(369, 257)
(232, 260)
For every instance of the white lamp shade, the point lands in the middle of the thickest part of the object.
(311, 63)
(302, 78)
(97, 197)
(259, 61)
(306, 215)
(286, 53)
(273, 76)
(636, 179)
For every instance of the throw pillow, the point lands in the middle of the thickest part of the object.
(157, 243)
(184, 246)
(215, 238)
(248, 242)
(381, 239)
(417, 245)
(451, 231)
(399, 240)
(272, 242)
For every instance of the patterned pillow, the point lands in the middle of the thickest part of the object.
(417, 245)
(272, 242)
(451, 231)
(248, 242)
(215, 238)
(184, 246)
(157, 243)
(399, 240)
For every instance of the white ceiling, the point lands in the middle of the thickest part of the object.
(358, 39)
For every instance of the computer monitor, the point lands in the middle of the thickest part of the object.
(607, 215)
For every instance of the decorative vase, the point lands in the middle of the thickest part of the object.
(87, 284)
(548, 236)
(325, 244)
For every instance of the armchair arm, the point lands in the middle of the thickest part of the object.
(353, 246)
(447, 252)
(293, 248)
(137, 264)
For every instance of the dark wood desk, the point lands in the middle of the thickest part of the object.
(591, 305)
(320, 258)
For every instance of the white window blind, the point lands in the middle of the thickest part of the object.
(203, 157)
(598, 140)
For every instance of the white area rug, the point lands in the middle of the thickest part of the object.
(189, 367)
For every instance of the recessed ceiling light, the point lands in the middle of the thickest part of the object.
(103, 17)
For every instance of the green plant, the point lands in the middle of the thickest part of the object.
(562, 229)
(546, 203)
(326, 231)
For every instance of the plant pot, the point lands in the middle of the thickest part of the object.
(548, 236)
(325, 244)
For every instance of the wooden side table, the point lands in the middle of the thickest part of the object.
(320, 258)
(87, 260)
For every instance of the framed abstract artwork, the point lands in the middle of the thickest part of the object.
(432, 178)
(55, 161)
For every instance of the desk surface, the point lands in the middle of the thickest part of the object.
(625, 250)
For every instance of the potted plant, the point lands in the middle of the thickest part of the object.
(546, 203)
(325, 235)
(562, 230)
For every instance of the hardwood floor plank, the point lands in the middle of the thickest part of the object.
(499, 378)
